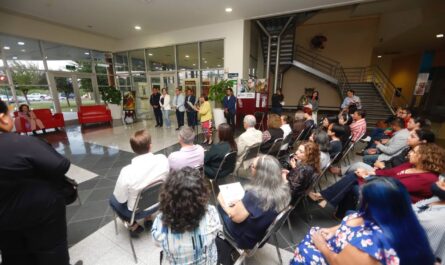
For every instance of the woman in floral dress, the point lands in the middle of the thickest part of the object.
(374, 235)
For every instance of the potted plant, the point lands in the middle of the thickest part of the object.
(217, 93)
(113, 98)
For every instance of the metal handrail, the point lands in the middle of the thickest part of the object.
(374, 74)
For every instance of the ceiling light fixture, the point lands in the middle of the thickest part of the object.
(21, 43)
(137, 27)
(229, 9)
(150, 54)
(440, 35)
(379, 56)
(14, 57)
(187, 56)
(6, 48)
(23, 50)
(86, 53)
(194, 64)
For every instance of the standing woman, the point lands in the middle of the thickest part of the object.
(31, 121)
(277, 102)
(165, 106)
(205, 115)
(32, 207)
(314, 100)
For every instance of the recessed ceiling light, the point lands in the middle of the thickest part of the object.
(229, 9)
(23, 50)
(137, 27)
(14, 57)
(205, 61)
(187, 56)
(6, 48)
(440, 35)
(379, 56)
(86, 53)
(150, 54)
(219, 65)
(194, 64)
(21, 43)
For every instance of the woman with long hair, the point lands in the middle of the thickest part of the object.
(164, 102)
(205, 116)
(187, 225)
(265, 196)
(31, 121)
(321, 138)
(272, 133)
(314, 100)
(32, 204)
(305, 166)
(384, 231)
(214, 157)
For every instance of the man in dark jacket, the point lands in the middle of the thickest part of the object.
(229, 102)
(190, 99)
(154, 102)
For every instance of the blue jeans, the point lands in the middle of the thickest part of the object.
(166, 116)
(122, 210)
(370, 159)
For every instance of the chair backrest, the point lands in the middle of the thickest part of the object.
(307, 132)
(285, 142)
(229, 161)
(275, 148)
(259, 116)
(252, 151)
(346, 151)
(147, 199)
(274, 227)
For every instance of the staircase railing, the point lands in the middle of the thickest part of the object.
(323, 64)
(373, 74)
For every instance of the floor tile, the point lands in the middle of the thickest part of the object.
(91, 210)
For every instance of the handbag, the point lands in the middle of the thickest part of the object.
(69, 190)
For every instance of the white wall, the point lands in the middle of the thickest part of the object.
(35, 29)
(232, 32)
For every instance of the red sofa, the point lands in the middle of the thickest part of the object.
(48, 119)
(94, 114)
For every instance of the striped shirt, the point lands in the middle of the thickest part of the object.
(431, 218)
(358, 128)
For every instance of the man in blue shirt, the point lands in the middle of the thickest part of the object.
(229, 103)
(178, 103)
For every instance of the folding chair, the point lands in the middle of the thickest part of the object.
(229, 161)
(275, 148)
(147, 199)
(251, 152)
(271, 232)
(259, 116)
(285, 143)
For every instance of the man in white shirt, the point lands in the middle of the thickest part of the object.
(190, 155)
(286, 129)
(178, 103)
(250, 137)
(145, 169)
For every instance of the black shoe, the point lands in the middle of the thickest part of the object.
(136, 232)
(178, 129)
(148, 224)
(79, 262)
(43, 130)
(34, 132)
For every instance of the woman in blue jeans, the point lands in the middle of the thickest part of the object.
(164, 102)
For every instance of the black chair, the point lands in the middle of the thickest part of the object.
(275, 148)
(285, 143)
(147, 199)
(259, 116)
(271, 232)
(228, 162)
(251, 152)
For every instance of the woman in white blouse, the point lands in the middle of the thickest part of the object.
(165, 106)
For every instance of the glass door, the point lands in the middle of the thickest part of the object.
(161, 81)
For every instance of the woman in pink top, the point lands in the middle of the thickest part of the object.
(32, 123)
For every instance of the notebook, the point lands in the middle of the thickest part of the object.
(232, 192)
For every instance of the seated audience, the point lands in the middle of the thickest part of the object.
(351, 100)
(385, 149)
(327, 121)
(418, 123)
(298, 125)
(246, 221)
(305, 166)
(32, 205)
(321, 138)
(345, 120)
(373, 235)
(308, 121)
(214, 157)
(431, 213)
(248, 138)
(335, 132)
(405, 114)
(32, 122)
(426, 162)
(358, 126)
(145, 169)
(272, 133)
(190, 154)
(187, 225)
(286, 129)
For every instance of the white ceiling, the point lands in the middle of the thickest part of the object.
(117, 18)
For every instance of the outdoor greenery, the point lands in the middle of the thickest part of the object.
(218, 90)
(27, 77)
(110, 95)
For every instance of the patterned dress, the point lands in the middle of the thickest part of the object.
(368, 238)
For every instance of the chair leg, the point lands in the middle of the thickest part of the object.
(278, 250)
(289, 225)
(115, 223)
(132, 249)
(213, 190)
(241, 259)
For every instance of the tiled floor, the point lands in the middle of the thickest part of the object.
(97, 154)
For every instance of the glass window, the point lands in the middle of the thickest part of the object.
(121, 62)
(210, 78)
(189, 79)
(21, 50)
(37, 97)
(161, 59)
(212, 54)
(188, 56)
(104, 62)
(137, 61)
(67, 58)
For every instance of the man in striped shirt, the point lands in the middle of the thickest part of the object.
(358, 126)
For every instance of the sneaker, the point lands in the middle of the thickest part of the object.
(79, 262)
(367, 139)
(148, 224)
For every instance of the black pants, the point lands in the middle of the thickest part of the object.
(34, 231)
(158, 115)
(180, 118)
(230, 117)
(191, 118)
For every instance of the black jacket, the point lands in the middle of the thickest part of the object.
(154, 99)
(214, 157)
